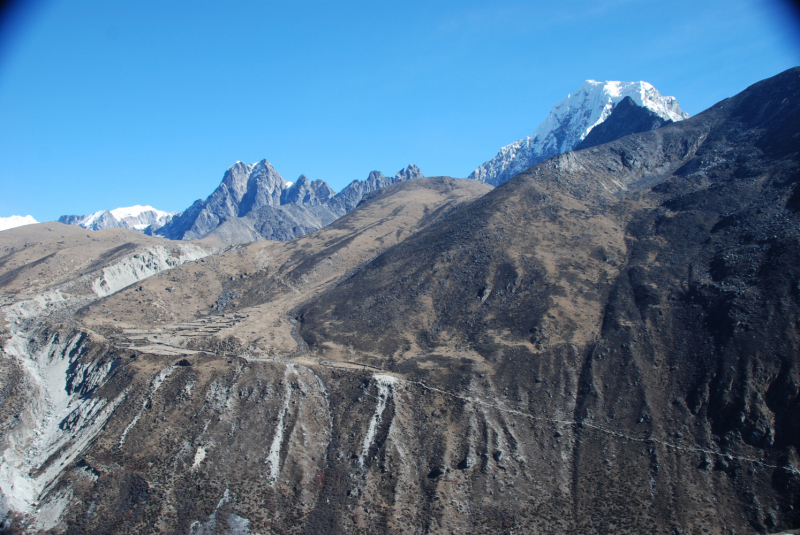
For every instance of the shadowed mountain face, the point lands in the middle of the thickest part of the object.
(627, 118)
(606, 343)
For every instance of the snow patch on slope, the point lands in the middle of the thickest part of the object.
(199, 455)
(90, 220)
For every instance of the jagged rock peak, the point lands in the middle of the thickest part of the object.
(570, 121)
(259, 192)
(412, 171)
(235, 178)
(350, 196)
(243, 189)
(407, 173)
(264, 188)
(307, 193)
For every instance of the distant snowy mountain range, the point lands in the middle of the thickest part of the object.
(570, 121)
(16, 221)
(130, 217)
(254, 202)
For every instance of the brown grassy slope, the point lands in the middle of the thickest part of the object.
(17, 238)
(536, 254)
(48, 255)
(267, 279)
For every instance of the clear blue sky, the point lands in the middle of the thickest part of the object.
(106, 104)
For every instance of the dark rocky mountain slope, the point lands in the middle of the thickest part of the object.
(631, 311)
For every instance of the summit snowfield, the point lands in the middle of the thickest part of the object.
(15, 221)
(139, 216)
(570, 121)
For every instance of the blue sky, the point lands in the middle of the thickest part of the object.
(107, 104)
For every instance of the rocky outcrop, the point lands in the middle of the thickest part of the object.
(280, 223)
(350, 196)
(244, 188)
(307, 193)
(264, 188)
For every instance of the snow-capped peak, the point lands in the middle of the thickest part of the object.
(89, 220)
(644, 94)
(135, 211)
(136, 217)
(569, 122)
(16, 221)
